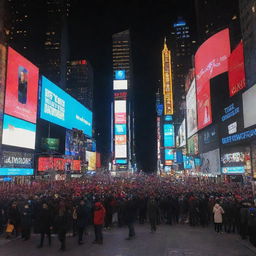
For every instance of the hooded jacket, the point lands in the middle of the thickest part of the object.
(217, 211)
(99, 214)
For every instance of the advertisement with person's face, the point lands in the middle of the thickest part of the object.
(211, 59)
(21, 87)
(211, 162)
(191, 110)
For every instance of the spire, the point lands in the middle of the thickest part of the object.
(165, 45)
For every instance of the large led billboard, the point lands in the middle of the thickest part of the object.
(60, 108)
(211, 59)
(236, 73)
(120, 84)
(21, 87)
(58, 164)
(2, 85)
(249, 105)
(18, 133)
(191, 110)
(169, 135)
(120, 129)
(91, 159)
(16, 172)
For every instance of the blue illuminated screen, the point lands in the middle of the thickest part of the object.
(121, 161)
(16, 172)
(169, 155)
(168, 135)
(60, 108)
(233, 170)
(120, 75)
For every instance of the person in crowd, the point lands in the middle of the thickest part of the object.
(45, 224)
(14, 217)
(252, 224)
(244, 216)
(130, 214)
(152, 209)
(61, 222)
(81, 220)
(98, 221)
(218, 212)
(26, 222)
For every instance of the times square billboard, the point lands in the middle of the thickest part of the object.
(60, 108)
(120, 128)
(21, 97)
(211, 60)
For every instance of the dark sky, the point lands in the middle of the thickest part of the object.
(91, 30)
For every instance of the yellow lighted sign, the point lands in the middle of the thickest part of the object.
(167, 81)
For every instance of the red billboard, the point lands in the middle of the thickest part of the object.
(58, 164)
(211, 59)
(21, 87)
(98, 160)
(236, 73)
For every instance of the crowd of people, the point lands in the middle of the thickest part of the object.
(48, 207)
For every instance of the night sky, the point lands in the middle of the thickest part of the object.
(91, 29)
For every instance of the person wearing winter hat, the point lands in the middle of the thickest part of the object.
(98, 221)
(218, 212)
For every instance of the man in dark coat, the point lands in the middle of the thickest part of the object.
(45, 224)
(14, 217)
(130, 214)
(82, 217)
(152, 210)
(26, 222)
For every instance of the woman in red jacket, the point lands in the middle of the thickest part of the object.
(98, 221)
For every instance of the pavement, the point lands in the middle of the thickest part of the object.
(178, 240)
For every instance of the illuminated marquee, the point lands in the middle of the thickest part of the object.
(167, 81)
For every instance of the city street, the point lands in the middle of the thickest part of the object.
(176, 240)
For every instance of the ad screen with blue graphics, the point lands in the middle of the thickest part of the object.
(60, 108)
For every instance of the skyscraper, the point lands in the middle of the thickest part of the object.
(56, 41)
(80, 81)
(248, 28)
(182, 44)
(214, 15)
(123, 116)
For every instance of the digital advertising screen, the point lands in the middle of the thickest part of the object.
(249, 106)
(10, 159)
(233, 170)
(16, 172)
(211, 59)
(191, 110)
(18, 133)
(169, 154)
(121, 161)
(210, 162)
(187, 162)
(21, 87)
(60, 108)
(91, 159)
(58, 164)
(120, 85)
(2, 85)
(236, 73)
(182, 134)
(120, 129)
(169, 135)
(50, 144)
(120, 74)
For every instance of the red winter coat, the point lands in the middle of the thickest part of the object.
(99, 214)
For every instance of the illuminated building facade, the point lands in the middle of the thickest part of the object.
(182, 44)
(123, 143)
(80, 81)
